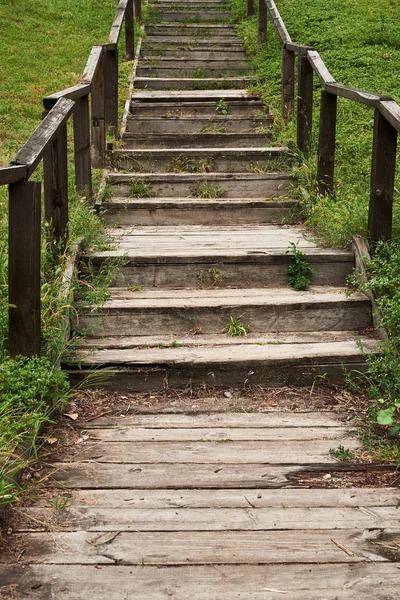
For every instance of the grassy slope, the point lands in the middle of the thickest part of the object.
(359, 40)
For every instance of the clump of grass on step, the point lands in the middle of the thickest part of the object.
(184, 163)
(207, 190)
(341, 453)
(140, 188)
(235, 328)
(300, 271)
(221, 107)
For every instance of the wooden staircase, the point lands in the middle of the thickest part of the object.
(200, 208)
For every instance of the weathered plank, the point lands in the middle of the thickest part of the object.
(201, 548)
(351, 581)
(32, 152)
(117, 23)
(83, 161)
(73, 93)
(217, 519)
(12, 174)
(55, 169)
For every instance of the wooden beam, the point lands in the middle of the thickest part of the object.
(55, 167)
(278, 22)
(138, 10)
(360, 96)
(98, 118)
(287, 83)
(262, 22)
(83, 161)
(130, 13)
(33, 151)
(111, 91)
(93, 64)
(250, 8)
(12, 174)
(116, 27)
(24, 268)
(304, 104)
(319, 68)
(327, 143)
(72, 93)
(382, 179)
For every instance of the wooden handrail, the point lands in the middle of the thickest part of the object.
(98, 86)
(386, 120)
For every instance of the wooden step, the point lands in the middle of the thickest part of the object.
(166, 257)
(205, 71)
(191, 42)
(192, 160)
(244, 365)
(202, 29)
(274, 310)
(198, 185)
(192, 95)
(201, 54)
(192, 83)
(192, 211)
(184, 62)
(197, 140)
(192, 16)
(198, 124)
(206, 108)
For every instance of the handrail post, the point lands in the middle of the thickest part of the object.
(327, 143)
(138, 10)
(98, 118)
(250, 8)
(55, 176)
(304, 104)
(262, 22)
(111, 91)
(382, 179)
(24, 245)
(130, 14)
(83, 161)
(287, 83)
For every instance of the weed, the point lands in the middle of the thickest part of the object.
(207, 190)
(184, 163)
(105, 192)
(175, 344)
(215, 276)
(221, 107)
(92, 287)
(59, 503)
(135, 288)
(235, 328)
(200, 279)
(299, 271)
(140, 188)
(213, 129)
(341, 453)
(199, 73)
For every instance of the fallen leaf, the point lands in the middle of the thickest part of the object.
(72, 416)
(51, 440)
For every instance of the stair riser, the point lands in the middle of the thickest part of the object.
(246, 109)
(191, 162)
(198, 55)
(195, 30)
(274, 188)
(197, 125)
(212, 320)
(152, 83)
(226, 376)
(198, 215)
(245, 274)
(180, 71)
(201, 140)
(160, 44)
(191, 16)
(187, 63)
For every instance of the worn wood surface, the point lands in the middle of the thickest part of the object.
(83, 161)
(327, 143)
(55, 170)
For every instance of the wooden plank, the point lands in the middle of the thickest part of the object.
(268, 419)
(287, 83)
(262, 23)
(347, 581)
(98, 115)
(93, 64)
(111, 91)
(278, 22)
(383, 172)
(31, 153)
(73, 93)
(174, 476)
(391, 111)
(217, 519)
(12, 174)
(133, 9)
(319, 67)
(24, 246)
(83, 160)
(142, 434)
(55, 168)
(117, 23)
(189, 95)
(249, 8)
(327, 143)
(304, 105)
(200, 548)
(291, 452)
(228, 498)
(357, 95)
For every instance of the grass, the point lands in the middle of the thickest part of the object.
(235, 328)
(44, 48)
(207, 190)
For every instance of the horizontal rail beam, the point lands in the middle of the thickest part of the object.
(278, 21)
(13, 173)
(92, 64)
(72, 93)
(391, 111)
(117, 23)
(360, 96)
(319, 68)
(32, 153)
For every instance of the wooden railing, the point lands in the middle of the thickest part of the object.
(386, 120)
(93, 103)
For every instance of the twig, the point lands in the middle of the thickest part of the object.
(339, 545)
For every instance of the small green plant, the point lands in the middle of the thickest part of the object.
(175, 344)
(105, 192)
(221, 107)
(215, 276)
(235, 328)
(299, 271)
(59, 503)
(140, 188)
(92, 288)
(341, 453)
(207, 190)
(213, 128)
(135, 288)
(199, 73)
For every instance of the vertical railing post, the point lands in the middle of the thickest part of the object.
(55, 177)
(24, 247)
(327, 143)
(262, 22)
(382, 179)
(111, 91)
(98, 118)
(83, 162)
(138, 10)
(287, 83)
(250, 8)
(130, 29)
(304, 104)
